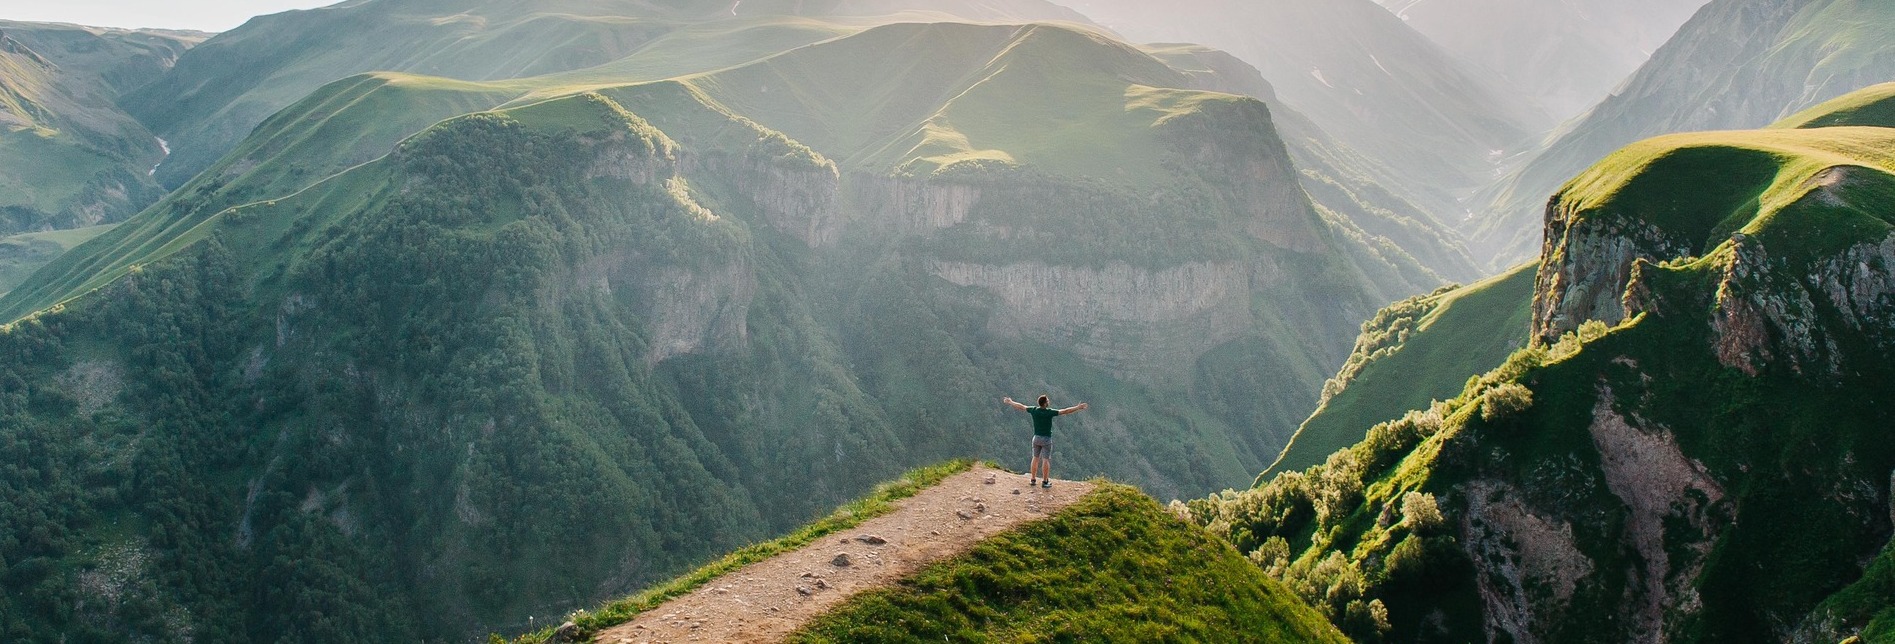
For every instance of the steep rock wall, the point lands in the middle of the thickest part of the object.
(1134, 322)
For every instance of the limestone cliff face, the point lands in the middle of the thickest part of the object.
(1140, 324)
(1588, 267)
(1767, 311)
(703, 305)
(1252, 170)
(794, 189)
(904, 205)
(1523, 548)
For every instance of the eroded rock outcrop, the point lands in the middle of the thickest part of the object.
(910, 205)
(1588, 267)
(1664, 492)
(1533, 562)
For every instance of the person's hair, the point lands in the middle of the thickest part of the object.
(1044, 401)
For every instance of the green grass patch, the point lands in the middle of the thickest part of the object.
(1447, 338)
(880, 502)
(1114, 567)
(1872, 106)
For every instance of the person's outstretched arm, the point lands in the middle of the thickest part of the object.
(1075, 409)
(1011, 403)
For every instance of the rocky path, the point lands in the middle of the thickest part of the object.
(768, 600)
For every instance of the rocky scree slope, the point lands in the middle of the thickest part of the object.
(1693, 445)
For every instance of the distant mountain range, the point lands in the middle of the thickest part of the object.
(1737, 64)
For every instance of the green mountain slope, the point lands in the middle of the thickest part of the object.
(550, 353)
(214, 98)
(1170, 581)
(68, 156)
(1694, 443)
(1358, 192)
(1563, 56)
(22, 254)
(1872, 106)
(1738, 64)
(1411, 354)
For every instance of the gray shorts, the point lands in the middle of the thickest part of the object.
(1042, 447)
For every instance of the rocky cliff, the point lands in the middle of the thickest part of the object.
(1691, 447)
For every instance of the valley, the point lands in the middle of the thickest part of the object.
(436, 320)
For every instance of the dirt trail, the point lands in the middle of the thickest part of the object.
(768, 600)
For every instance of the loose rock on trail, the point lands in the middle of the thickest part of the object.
(768, 600)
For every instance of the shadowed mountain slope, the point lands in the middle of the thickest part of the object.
(1410, 355)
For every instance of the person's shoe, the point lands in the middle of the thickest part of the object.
(1048, 484)
(1030, 481)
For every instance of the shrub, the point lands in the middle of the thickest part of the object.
(1421, 514)
(1505, 401)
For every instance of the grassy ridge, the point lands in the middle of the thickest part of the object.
(1872, 106)
(876, 504)
(1114, 567)
(1427, 350)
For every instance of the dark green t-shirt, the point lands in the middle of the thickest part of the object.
(1043, 420)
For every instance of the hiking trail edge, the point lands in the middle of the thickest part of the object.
(768, 600)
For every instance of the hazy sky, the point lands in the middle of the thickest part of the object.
(204, 15)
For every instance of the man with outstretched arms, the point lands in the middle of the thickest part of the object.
(1041, 469)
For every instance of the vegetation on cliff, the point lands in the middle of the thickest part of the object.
(1703, 462)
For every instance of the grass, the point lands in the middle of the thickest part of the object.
(1699, 188)
(1463, 332)
(1872, 106)
(880, 502)
(21, 255)
(1114, 567)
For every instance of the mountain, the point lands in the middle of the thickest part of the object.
(21, 255)
(1564, 56)
(1738, 64)
(1694, 442)
(241, 77)
(69, 157)
(1363, 76)
(584, 332)
(1410, 355)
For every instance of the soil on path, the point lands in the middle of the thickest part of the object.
(768, 600)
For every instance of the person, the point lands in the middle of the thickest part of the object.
(1040, 471)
